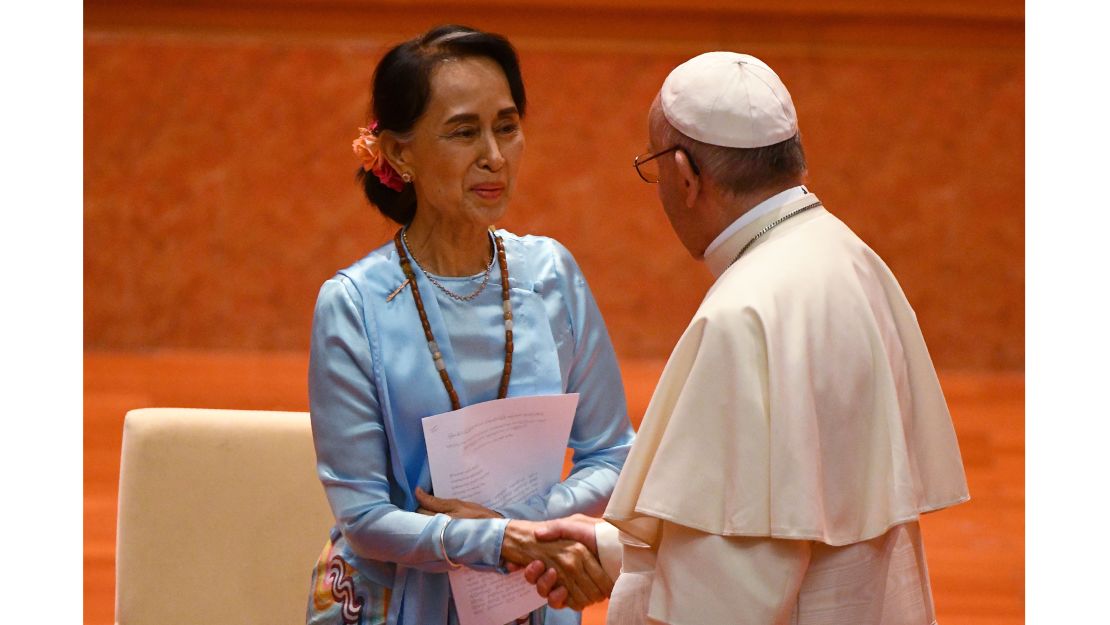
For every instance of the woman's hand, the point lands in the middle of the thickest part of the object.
(576, 568)
(454, 508)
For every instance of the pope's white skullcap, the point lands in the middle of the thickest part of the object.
(728, 99)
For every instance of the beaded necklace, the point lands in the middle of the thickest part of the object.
(433, 347)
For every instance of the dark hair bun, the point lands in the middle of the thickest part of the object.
(400, 206)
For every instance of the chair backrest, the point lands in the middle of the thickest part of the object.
(221, 518)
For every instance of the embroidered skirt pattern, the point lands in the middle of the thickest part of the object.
(343, 596)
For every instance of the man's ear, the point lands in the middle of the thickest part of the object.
(690, 180)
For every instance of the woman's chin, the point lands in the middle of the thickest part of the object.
(488, 212)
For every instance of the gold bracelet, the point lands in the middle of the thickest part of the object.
(443, 546)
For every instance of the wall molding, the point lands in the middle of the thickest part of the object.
(991, 29)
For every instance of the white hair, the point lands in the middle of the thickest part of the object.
(736, 170)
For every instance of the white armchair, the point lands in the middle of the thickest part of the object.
(221, 518)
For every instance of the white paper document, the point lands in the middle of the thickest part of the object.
(495, 453)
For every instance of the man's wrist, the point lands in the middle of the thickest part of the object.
(609, 550)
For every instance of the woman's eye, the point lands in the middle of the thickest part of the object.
(508, 129)
(465, 133)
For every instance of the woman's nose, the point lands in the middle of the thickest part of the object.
(491, 159)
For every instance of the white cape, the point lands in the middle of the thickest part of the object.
(800, 402)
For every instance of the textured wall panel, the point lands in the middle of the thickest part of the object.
(219, 180)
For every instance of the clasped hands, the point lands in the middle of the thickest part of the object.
(559, 556)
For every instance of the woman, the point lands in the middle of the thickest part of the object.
(448, 314)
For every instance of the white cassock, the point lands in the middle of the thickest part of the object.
(797, 433)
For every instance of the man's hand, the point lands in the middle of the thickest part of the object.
(576, 568)
(454, 508)
(547, 584)
(576, 527)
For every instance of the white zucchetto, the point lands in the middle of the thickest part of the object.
(729, 99)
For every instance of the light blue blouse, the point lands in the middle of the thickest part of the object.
(372, 379)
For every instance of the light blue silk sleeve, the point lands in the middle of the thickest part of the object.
(601, 435)
(352, 452)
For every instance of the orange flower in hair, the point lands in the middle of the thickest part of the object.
(367, 150)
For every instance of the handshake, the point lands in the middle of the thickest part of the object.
(559, 556)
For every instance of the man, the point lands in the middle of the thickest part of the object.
(798, 429)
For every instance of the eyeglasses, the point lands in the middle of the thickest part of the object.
(648, 167)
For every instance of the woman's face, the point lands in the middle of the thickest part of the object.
(466, 146)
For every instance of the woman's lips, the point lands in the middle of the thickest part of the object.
(488, 191)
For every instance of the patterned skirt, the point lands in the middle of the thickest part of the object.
(341, 595)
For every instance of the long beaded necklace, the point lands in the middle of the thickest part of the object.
(433, 347)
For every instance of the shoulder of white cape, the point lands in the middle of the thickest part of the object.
(794, 356)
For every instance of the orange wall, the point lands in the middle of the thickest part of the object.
(219, 187)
